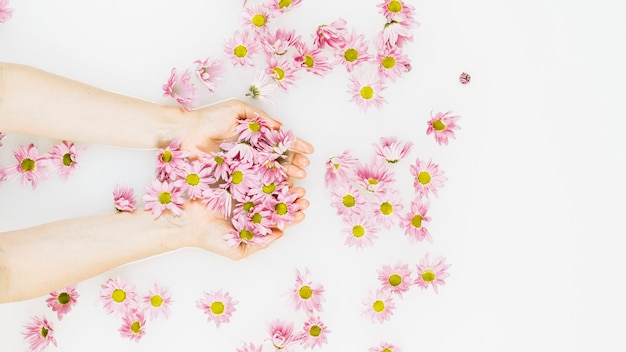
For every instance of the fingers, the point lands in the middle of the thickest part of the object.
(295, 165)
(302, 146)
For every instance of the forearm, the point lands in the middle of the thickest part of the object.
(41, 259)
(43, 104)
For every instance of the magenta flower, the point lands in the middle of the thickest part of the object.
(395, 9)
(282, 334)
(62, 301)
(384, 347)
(256, 19)
(39, 334)
(241, 49)
(161, 196)
(392, 150)
(171, 161)
(133, 326)
(32, 166)
(427, 177)
(181, 88)
(124, 199)
(312, 59)
(431, 273)
(396, 279)
(117, 296)
(5, 11)
(333, 34)
(375, 176)
(218, 306)
(365, 89)
(361, 230)
(283, 73)
(306, 295)
(63, 158)
(157, 302)
(219, 200)
(392, 62)
(210, 72)
(379, 306)
(279, 42)
(282, 6)
(389, 208)
(261, 88)
(347, 199)
(195, 179)
(250, 347)
(414, 222)
(340, 169)
(353, 52)
(442, 126)
(314, 334)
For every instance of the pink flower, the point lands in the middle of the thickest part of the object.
(414, 222)
(283, 73)
(347, 200)
(442, 126)
(250, 347)
(282, 334)
(219, 163)
(261, 217)
(375, 176)
(161, 196)
(242, 178)
(379, 306)
(361, 230)
(312, 59)
(285, 207)
(282, 6)
(39, 334)
(261, 88)
(384, 347)
(63, 300)
(218, 306)
(427, 177)
(171, 161)
(431, 273)
(392, 62)
(392, 150)
(195, 179)
(63, 158)
(210, 71)
(157, 302)
(388, 210)
(124, 199)
(244, 232)
(396, 33)
(256, 18)
(396, 279)
(314, 333)
(30, 165)
(394, 9)
(340, 169)
(219, 200)
(241, 49)
(133, 326)
(353, 52)
(365, 89)
(117, 296)
(332, 34)
(279, 42)
(251, 130)
(306, 294)
(5, 11)
(180, 87)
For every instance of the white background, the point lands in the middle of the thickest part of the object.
(530, 219)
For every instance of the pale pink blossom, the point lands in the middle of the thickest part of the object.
(181, 88)
(241, 49)
(282, 335)
(285, 207)
(396, 33)
(256, 19)
(218, 306)
(314, 334)
(261, 88)
(117, 296)
(282, 6)
(396, 9)
(388, 211)
(171, 161)
(194, 179)
(279, 42)
(5, 11)
(312, 59)
(157, 302)
(244, 232)
(365, 89)
(428, 178)
(353, 52)
(360, 230)
(161, 196)
(124, 199)
(39, 334)
(251, 130)
(210, 71)
(281, 70)
(340, 169)
(392, 150)
(375, 176)
(218, 163)
(133, 325)
(396, 279)
(63, 158)
(30, 165)
(431, 272)
(333, 34)
(250, 347)
(385, 347)
(243, 177)
(379, 306)
(219, 200)
(414, 222)
(261, 217)
(392, 62)
(62, 301)
(306, 294)
(442, 126)
(347, 199)
(277, 141)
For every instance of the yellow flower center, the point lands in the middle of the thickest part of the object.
(257, 218)
(240, 51)
(438, 125)
(348, 201)
(284, 3)
(386, 208)
(378, 306)
(358, 231)
(118, 295)
(254, 126)
(44, 332)
(217, 308)
(308, 61)
(218, 160)
(351, 55)
(67, 159)
(280, 74)
(248, 205)
(428, 276)
(387, 350)
(395, 280)
(336, 166)
(268, 189)
(28, 165)
(165, 198)
(416, 221)
(394, 6)
(281, 208)
(258, 20)
(193, 179)
(315, 331)
(246, 235)
(237, 177)
(367, 92)
(388, 62)
(156, 301)
(167, 156)
(305, 292)
(423, 177)
(63, 298)
(372, 181)
(135, 327)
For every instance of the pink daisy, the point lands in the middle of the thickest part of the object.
(394, 9)
(242, 178)
(277, 141)
(181, 88)
(219, 200)
(427, 177)
(133, 326)
(282, 334)
(117, 296)
(306, 294)
(384, 347)
(279, 42)
(340, 169)
(361, 231)
(347, 199)
(414, 222)
(63, 300)
(218, 306)
(251, 130)
(312, 59)
(365, 89)
(171, 160)
(161, 196)
(389, 208)
(314, 334)
(256, 19)
(261, 217)
(5, 11)
(283, 73)
(157, 302)
(375, 176)
(284, 207)
(282, 6)
(353, 52)
(195, 179)
(261, 88)
(219, 163)
(32, 166)
(210, 72)
(379, 306)
(333, 34)
(392, 62)
(391, 149)
(250, 347)
(124, 199)
(244, 232)
(442, 126)
(241, 49)
(396, 33)
(39, 334)
(63, 158)
(431, 273)
(396, 279)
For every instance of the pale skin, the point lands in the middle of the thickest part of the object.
(42, 104)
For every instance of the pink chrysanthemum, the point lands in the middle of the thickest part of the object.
(415, 221)
(394, 9)
(133, 326)
(314, 334)
(353, 52)
(396, 33)
(39, 334)
(251, 130)
(261, 217)
(241, 49)
(278, 141)
(62, 301)
(250, 347)
(157, 302)
(161, 196)
(431, 273)
(219, 200)
(124, 199)
(63, 158)
(442, 125)
(306, 295)
(210, 72)
(340, 169)
(391, 149)
(396, 279)
(282, 335)
(171, 161)
(194, 180)
(283, 73)
(181, 88)
(242, 178)
(379, 306)
(365, 89)
(360, 230)
(282, 6)
(312, 59)
(375, 176)
(218, 163)
(117, 296)
(279, 42)
(261, 88)
(256, 19)
(427, 177)
(5, 11)
(244, 232)
(347, 199)
(392, 62)
(333, 34)
(384, 347)
(218, 306)
(388, 210)
(284, 207)
(32, 166)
